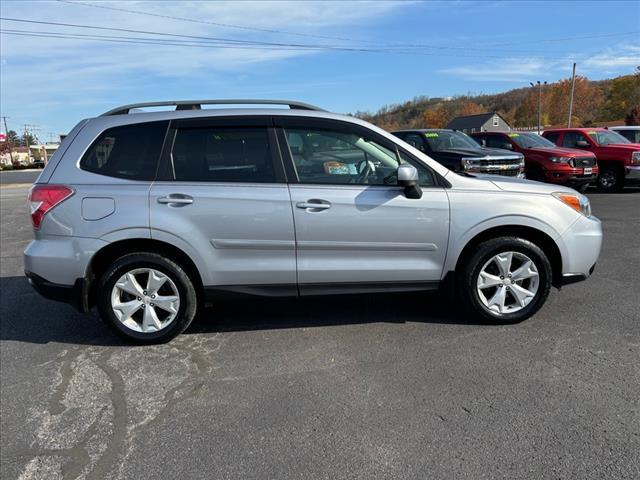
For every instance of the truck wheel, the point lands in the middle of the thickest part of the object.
(507, 280)
(610, 179)
(146, 298)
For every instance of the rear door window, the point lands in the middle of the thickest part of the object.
(221, 154)
(129, 151)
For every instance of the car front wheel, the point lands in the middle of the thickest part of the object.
(146, 298)
(610, 179)
(506, 280)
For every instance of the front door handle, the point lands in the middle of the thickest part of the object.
(314, 205)
(176, 199)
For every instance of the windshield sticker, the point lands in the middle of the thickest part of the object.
(514, 135)
(431, 135)
(339, 168)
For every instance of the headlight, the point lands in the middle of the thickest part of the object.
(471, 164)
(578, 202)
(560, 159)
(635, 158)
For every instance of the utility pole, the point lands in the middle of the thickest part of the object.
(539, 101)
(6, 131)
(573, 87)
(29, 129)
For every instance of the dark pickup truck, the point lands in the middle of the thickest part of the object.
(458, 152)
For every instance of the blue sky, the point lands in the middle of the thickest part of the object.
(448, 48)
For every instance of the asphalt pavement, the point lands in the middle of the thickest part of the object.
(377, 386)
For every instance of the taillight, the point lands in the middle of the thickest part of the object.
(43, 198)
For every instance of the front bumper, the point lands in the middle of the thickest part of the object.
(573, 176)
(580, 248)
(632, 173)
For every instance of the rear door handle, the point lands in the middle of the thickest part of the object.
(314, 204)
(176, 199)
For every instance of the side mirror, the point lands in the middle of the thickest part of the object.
(408, 178)
(583, 144)
(507, 146)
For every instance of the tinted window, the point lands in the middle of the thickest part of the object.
(415, 140)
(570, 138)
(223, 155)
(328, 156)
(631, 135)
(530, 140)
(129, 151)
(552, 136)
(496, 141)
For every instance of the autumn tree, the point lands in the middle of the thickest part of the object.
(633, 117)
(587, 100)
(470, 108)
(435, 117)
(623, 95)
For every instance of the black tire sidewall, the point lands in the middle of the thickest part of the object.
(484, 253)
(188, 299)
(619, 180)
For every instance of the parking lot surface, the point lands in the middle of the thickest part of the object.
(378, 386)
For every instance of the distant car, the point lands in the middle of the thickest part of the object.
(618, 158)
(543, 160)
(460, 153)
(631, 133)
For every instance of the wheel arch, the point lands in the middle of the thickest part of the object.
(109, 253)
(534, 235)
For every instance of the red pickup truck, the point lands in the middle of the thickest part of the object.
(618, 158)
(544, 161)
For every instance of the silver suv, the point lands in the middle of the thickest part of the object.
(151, 215)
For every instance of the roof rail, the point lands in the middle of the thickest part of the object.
(197, 105)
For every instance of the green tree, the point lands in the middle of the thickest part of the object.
(624, 94)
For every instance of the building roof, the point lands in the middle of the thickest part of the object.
(471, 121)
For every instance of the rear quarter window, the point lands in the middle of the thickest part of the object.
(128, 151)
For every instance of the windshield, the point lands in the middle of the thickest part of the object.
(443, 140)
(607, 137)
(530, 140)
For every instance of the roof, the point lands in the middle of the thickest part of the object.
(471, 121)
(577, 129)
(423, 130)
(625, 127)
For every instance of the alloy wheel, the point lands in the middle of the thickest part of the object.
(145, 300)
(507, 283)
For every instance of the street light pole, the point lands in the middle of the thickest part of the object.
(539, 101)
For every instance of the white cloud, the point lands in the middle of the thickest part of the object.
(612, 61)
(65, 71)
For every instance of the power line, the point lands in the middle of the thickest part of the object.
(217, 24)
(310, 35)
(210, 44)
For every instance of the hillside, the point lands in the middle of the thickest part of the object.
(594, 101)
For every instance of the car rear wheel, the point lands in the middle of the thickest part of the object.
(610, 179)
(507, 280)
(146, 298)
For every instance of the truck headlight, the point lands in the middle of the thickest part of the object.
(471, 164)
(560, 159)
(578, 202)
(635, 158)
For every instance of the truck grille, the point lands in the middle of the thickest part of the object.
(509, 166)
(580, 162)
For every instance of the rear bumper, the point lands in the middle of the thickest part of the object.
(75, 295)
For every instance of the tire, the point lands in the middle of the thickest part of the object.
(483, 261)
(610, 179)
(149, 323)
(582, 188)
